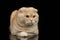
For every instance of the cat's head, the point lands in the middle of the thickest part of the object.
(28, 16)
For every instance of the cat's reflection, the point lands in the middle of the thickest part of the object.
(12, 37)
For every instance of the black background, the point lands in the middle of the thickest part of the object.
(7, 6)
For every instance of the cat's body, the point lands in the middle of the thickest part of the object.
(24, 20)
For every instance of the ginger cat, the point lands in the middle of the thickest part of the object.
(24, 22)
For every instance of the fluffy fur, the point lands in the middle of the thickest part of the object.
(24, 20)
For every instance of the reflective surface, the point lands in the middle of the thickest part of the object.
(20, 38)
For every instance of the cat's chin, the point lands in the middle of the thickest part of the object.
(30, 24)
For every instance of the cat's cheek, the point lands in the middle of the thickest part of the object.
(27, 22)
(33, 21)
(20, 15)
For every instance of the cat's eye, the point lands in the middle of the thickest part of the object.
(34, 16)
(27, 16)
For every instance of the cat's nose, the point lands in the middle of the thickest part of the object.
(31, 20)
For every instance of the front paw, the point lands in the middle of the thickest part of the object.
(22, 34)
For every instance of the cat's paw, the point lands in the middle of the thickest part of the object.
(23, 34)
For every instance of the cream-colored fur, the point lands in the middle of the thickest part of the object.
(24, 20)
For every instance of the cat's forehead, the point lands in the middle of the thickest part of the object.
(28, 9)
(30, 13)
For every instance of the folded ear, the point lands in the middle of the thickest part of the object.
(13, 15)
(35, 10)
(22, 9)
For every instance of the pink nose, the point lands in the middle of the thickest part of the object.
(31, 20)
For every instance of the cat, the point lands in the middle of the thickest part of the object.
(24, 20)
